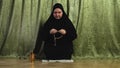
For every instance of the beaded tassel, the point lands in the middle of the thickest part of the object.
(54, 40)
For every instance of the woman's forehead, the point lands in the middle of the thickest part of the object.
(57, 9)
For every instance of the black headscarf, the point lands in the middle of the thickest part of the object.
(57, 5)
(63, 23)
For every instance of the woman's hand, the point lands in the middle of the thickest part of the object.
(53, 31)
(62, 31)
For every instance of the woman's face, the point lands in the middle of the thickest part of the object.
(57, 13)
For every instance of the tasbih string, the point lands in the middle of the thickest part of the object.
(55, 38)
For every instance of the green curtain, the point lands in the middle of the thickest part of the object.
(96, 22)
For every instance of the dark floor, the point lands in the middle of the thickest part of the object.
(17, 63)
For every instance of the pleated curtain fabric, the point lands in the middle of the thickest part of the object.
(97, 23)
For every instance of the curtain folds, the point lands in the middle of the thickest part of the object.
(96, 22)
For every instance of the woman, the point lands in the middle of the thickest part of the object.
(58, 34)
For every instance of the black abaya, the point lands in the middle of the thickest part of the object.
(58, 48)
